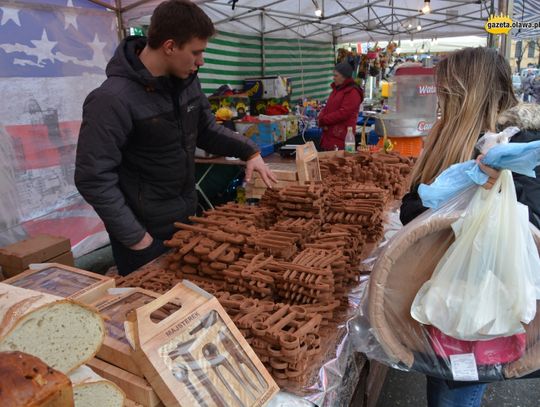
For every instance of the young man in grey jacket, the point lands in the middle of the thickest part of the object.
(136, 151)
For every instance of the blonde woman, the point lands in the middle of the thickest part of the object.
(474, 89)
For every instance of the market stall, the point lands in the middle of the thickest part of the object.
(287, 272)
(283, 279)
(263, 38)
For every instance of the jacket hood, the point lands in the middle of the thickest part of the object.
(123, 60)
(348, 82)
(126, 63)
(526, 116)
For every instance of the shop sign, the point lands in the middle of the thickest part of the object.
(424, 126)
(424, 90)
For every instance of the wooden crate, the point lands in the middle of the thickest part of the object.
(65, 258)
(331, 154)
(137, 389)
(16, 257)
(285, 173)
(259, 183)
(64, 281)
(197, 355)
(116, 349)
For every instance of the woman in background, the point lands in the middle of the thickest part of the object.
(341, 110)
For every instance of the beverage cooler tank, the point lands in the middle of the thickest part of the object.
(412, 103)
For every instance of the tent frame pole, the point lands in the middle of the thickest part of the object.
(506, 7)
(120, 20)
(263, 53)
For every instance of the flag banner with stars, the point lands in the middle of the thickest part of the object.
(52, 54)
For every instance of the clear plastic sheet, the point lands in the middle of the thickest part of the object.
(336, 370)
(385, 331)
(52, 57)
(337, 373)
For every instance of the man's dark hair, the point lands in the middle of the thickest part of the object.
(180, 20)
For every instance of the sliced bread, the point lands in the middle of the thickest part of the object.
(62, 333)
(91, 390)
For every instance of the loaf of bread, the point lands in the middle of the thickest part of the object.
(62, 333)
(91, 390)
(25, 381)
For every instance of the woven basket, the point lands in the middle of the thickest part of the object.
(394, 282)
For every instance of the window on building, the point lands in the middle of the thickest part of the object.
(519, 47)
(530, 51)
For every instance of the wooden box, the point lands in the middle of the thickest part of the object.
(307, 163)
(64, 281)
(137, 389)
(65, 258)
(116, 349)
(197, 356)
(16, 257)
(285, 173)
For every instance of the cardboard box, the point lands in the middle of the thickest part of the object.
(265, 132)
(116, 348)
(268, 87)
(238, 104)
(64, 281)
(137, 389)
(197, 355)
(16, 257)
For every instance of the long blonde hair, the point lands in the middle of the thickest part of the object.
(474, 85)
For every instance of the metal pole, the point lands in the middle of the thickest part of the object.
(119, 20)
(334, 43)
(491, 37)
(506, 7)
(263, 56)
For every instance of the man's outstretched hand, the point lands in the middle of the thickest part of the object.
(257, 164)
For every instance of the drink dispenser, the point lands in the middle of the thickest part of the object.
(412, 103)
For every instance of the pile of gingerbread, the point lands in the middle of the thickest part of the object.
(282, 268)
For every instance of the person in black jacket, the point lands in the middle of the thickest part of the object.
(135, 160)
(475, 94)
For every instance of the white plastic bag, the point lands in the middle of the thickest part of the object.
(487, 283)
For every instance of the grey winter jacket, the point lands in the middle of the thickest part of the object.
(535, 89)
(136, 151)
(526, 84)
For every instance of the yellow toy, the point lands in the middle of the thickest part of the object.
(241, 108)
(388, 145)
(224, 114)
(225, 102)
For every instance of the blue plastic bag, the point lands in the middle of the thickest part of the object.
(521, 158)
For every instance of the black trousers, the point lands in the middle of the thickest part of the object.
(128, 260)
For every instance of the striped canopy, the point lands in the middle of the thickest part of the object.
(527, 11)
(230, 58)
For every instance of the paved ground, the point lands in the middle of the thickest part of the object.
(403, 389)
